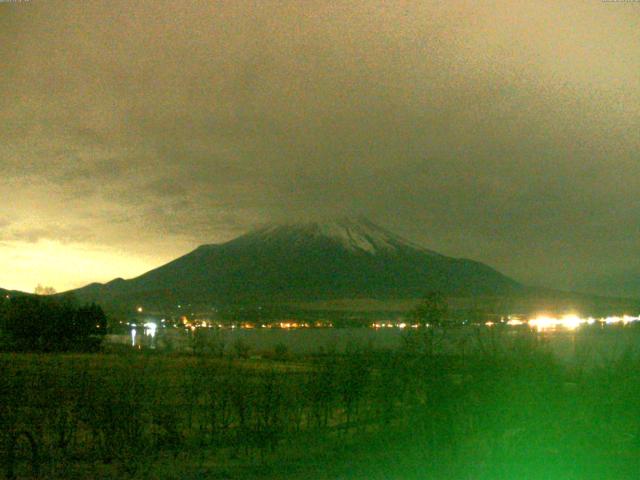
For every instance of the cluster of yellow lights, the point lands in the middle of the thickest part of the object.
(287, 325)
(540, 323)
(194, 324)
(400, 325)
(567, 322)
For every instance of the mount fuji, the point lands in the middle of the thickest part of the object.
(346, 258)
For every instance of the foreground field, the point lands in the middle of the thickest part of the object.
(512, 412)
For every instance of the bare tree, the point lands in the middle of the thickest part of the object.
(431, 313)
(40, 290)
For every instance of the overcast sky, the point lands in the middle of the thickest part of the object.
(503, 131)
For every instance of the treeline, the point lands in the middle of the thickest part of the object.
(47, 324)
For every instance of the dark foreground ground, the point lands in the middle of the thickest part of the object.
(506, 413)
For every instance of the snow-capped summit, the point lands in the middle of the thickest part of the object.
(352, 233)
(346, 258)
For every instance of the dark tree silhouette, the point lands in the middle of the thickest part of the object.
(36, 323)
(431, 313)
(432, 310)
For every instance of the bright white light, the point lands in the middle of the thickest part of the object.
(628, 319)
(133, 337)
(543, 322)
(150, 329)
(571, 321)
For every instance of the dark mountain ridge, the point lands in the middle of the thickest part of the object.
(309, 261)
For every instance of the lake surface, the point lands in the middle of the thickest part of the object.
(592, 345)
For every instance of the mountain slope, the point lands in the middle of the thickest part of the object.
(341, 259)
(11, 293)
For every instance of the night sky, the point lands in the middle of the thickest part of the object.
(505, 131)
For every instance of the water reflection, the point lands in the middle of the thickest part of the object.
(150, 329)
(148, 337)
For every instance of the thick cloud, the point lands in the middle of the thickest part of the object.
(503, 132)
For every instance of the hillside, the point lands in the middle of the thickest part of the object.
(305, 262)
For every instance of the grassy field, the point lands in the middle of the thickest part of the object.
(503, 414)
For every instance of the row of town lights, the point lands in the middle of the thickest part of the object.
(539, 323)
